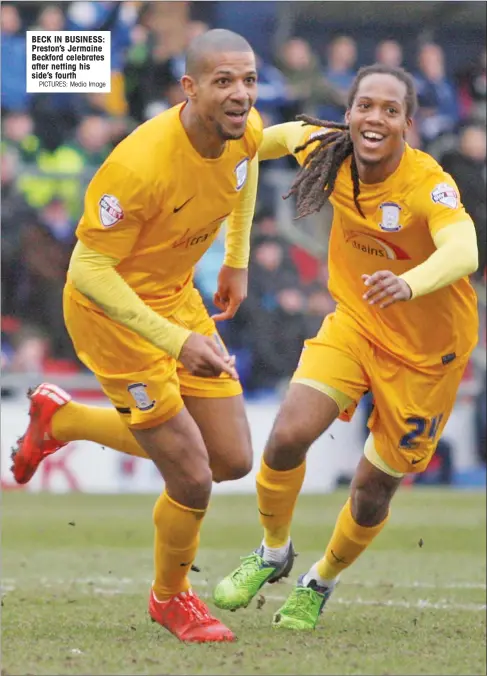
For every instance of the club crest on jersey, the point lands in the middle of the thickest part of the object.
(390, 217)
(445, 194)
(241, 173)
(142, 399)
(110, 210)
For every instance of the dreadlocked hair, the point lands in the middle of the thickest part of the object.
(316, 179)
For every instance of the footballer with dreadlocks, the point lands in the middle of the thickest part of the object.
(400, 252)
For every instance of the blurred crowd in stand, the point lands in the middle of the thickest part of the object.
(53, 143)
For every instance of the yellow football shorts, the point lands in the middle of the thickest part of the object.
(144, 383)
(411, 406)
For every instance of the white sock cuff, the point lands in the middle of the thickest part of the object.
(313, 574)
(275, 554)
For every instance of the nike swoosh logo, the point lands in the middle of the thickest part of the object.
(337, 558)
(264, 514)
(415, 461)
(186, 564)
(176, 209)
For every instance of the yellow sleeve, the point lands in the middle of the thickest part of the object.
(253, 133)
(239, 224)
(283, 139)
(456, 256)
(117, 203)
(277, 141)
(94, 275)
(438, 202)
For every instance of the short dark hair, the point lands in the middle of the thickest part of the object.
(215, 40)
(315, 181)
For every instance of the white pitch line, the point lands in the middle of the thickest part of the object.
(8, 585)
(420, 604)
(417, 585)
(367, 584)
(198, 582)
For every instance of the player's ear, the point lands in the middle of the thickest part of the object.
(407, 127)
(347, 116)
(189, 86)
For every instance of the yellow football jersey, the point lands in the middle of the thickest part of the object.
(156, 205)
(401, 215)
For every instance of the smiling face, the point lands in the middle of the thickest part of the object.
(223, 93)
(378, 119)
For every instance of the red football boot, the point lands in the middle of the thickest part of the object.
(37, 442)
(188, 618)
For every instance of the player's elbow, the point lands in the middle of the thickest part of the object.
(79, 278)
(474, 267)
(471, 259)
(76, 268)
(475, 262)
(464, 256)
(75, 272)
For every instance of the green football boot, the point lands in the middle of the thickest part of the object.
(239, 588)
(303, 606)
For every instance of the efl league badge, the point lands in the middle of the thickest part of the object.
(445, 194)
(110, 210)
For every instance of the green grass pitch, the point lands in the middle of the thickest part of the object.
(77, 568)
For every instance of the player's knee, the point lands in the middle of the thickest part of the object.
(192, 486)
(371, 493)
(286, 447)
(199, 479)
(235, 468)
(370, 502)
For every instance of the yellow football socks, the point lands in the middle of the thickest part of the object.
(277, 493)
(348, 541)
(176, 542)
(94, 423)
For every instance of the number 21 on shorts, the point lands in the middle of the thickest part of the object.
(418, 427)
